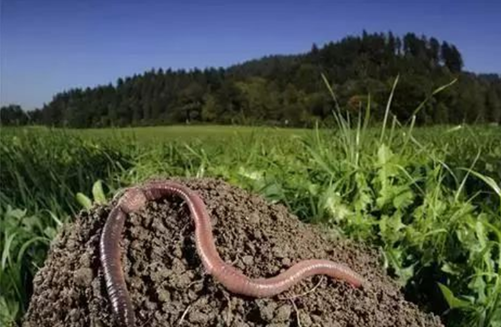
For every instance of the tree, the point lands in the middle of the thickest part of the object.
(314, 50)
(191, 102)
(455, 63)
(451, 57)
(276, 88)
(13, 115)
(434, 51)
(493, 101)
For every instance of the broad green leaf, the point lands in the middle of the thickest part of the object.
(84, 201)
(50, 232)
(333, 202)
(254, 175)
(15, 213)
(448, 268)
(478, 285)
(405, 274)
(481, 234)
(452, 301)
(98, 193)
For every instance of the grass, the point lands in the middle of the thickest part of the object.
(428, 197)
(167, 133)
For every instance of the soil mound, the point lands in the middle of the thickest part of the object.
(168, 286)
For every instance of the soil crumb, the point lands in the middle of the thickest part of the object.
(166, 280)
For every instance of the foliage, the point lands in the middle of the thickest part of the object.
(24, 241)
(428, 196)
(13, 115)
(287, 90)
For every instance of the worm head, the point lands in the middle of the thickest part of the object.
(132, 200)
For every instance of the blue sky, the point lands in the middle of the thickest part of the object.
(49, 46)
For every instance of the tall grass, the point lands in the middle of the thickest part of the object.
(428, 197)
(393, 193)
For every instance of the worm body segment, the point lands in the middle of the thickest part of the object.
(232, 279)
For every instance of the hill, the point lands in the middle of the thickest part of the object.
(288, 89)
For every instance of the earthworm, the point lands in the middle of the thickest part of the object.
(233, 279)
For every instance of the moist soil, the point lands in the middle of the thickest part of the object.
(166, 280)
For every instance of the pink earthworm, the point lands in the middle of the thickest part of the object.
(230, 277)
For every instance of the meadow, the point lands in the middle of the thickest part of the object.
(429, 198)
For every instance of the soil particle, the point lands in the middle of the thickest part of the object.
(168, 286)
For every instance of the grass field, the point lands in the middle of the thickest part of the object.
(429, 198)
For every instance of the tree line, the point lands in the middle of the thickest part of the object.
(287, 89)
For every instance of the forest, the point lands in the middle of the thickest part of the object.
(287, 90)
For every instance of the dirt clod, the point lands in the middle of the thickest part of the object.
(168, 286)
